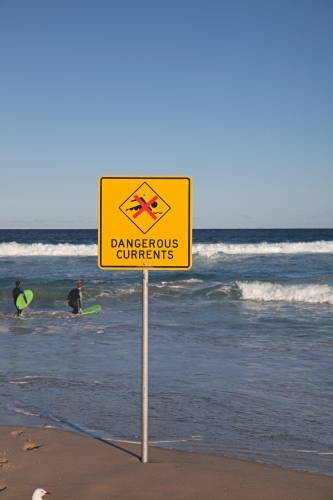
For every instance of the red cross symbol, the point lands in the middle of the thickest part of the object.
(145, 207)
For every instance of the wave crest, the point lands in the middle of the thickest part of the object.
(14, 249)
(211, 250)
(311, 294)
(208, 250)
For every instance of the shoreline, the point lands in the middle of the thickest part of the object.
(77, 467)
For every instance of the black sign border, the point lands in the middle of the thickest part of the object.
(138, 268)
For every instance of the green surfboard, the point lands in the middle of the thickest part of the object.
(21, 303)
(91, 309)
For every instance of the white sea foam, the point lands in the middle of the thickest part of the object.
(311, 294)
(14, 249)
(212, 249)
(14, 382)
(170, 441)
(127, 291)
(21, 410)
(150, 442)
(191, 281)
(317, 452)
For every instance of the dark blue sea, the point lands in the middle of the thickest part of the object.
(240, 346)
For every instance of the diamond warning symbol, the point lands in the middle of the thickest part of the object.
(144, 207)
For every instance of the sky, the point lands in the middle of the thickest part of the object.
(236, 94)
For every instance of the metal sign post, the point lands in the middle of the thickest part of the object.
(144, 420)
(145, 222)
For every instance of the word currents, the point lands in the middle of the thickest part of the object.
(145, 221)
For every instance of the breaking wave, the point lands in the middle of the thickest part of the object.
(208, 250)
(14, 249)
(311, 294)
(211, 250)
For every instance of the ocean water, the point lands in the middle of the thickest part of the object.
(240, 346)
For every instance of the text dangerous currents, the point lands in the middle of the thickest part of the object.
(146, 248)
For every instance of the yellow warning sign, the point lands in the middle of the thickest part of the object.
(145, 222)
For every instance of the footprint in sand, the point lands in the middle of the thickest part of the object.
(31, 445)
(16, 433)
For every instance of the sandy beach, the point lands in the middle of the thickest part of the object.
(74, 467)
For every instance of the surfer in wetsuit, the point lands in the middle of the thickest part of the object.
(16, 292)
(74, 299)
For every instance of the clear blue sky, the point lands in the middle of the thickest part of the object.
(238, 94)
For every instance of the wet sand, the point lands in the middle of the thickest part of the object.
(74, 467)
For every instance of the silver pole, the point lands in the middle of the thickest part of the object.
(144, 422)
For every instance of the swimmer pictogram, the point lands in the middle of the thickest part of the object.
(144, 207)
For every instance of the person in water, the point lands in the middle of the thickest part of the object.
(16, 292)
(74, 299)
